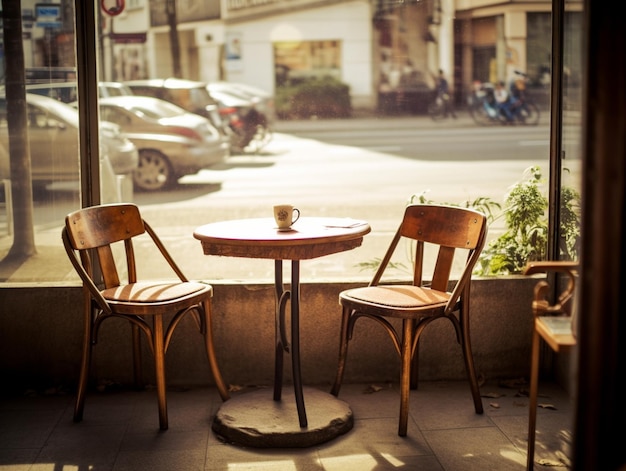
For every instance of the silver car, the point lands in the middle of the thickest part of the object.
(190, 95)
(172, 142)
(53, 142)
(123, 154)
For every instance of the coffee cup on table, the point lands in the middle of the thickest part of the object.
(285, 215)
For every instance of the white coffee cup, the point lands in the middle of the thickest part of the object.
(285, 215)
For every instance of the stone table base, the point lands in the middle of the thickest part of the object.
(254, 419)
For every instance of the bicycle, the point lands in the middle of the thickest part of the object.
(525, 112)
(523, 109)
(484, 110)
(440, 108)
(250, 134)
(261, 137)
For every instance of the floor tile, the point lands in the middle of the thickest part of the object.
(120, 432)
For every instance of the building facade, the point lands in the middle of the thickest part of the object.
(373, 46)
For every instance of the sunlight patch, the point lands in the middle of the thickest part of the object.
(283, 465)
(341, 463)
(392, 460)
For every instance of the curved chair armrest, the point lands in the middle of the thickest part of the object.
(551, 266)
(164, 252)
(569, 268)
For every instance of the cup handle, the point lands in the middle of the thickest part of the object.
(296, 213)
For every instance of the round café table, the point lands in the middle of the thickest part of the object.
(308, 238)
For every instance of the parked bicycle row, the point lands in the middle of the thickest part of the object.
(492, 104)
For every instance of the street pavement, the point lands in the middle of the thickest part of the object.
(326, 187)
(364, 120)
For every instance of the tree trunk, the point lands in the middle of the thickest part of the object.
(174, 44)
(19, 147)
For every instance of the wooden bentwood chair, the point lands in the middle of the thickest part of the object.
(418, 304)
(91, 234)
(552, 322)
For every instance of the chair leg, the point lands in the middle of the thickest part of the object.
(84, 363)
(210, 351)
(469, 359)
(532, 400)
(159, 368)
(405, 374)
(136, 345)
(414, 367)
(343, 351)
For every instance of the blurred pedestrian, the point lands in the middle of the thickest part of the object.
(517, 92)
(503, 101)
(443, 93)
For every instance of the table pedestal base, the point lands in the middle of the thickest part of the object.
(254, 419)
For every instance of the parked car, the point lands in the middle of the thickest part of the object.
(107, 89)
(172, 142)
(122, 152)
(53, 140)
(190, 95)
(67, 92)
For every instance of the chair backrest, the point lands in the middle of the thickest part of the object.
(95, 230)
(98, 228)
(449, 229)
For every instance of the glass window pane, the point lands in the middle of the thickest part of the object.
(572, 125)
(351, 104)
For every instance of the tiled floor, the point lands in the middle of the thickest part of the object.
(120, 433)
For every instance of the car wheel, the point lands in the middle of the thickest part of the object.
(154, 171)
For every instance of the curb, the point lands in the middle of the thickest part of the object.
(372, 122)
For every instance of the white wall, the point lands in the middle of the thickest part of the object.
(349, 23)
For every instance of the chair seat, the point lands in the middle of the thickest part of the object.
(399, 296)
(150, 292)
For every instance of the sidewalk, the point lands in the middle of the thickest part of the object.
(366, 120)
